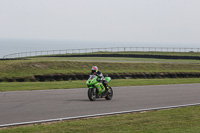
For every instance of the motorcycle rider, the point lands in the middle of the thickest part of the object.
(95, 71)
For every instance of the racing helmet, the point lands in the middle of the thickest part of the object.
(95, 69)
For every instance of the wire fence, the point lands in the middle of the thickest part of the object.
(93, 50)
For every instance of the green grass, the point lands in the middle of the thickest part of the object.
(143, 53)
(116, 59)
(28, 68)
(21, 86)
(165, 53)
(157, 53)
(179, 120)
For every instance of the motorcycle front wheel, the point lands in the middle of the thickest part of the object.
(92, 94)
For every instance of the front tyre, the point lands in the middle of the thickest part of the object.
(110, 94)
(92, 94)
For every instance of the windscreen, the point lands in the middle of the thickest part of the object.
(91, 77)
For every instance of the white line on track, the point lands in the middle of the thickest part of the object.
(95, 115)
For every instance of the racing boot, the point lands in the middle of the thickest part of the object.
(107, 87)
(105, 84)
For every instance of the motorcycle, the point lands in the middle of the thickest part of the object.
(97, 90)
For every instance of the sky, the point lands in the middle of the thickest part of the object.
(163, 22)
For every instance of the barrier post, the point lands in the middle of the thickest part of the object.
(110, 49)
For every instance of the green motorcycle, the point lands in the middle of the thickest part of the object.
(97, 89)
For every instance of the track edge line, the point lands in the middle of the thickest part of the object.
(95, 115)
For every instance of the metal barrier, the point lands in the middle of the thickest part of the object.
(93, 50)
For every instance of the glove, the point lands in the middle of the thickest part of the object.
(100, 78)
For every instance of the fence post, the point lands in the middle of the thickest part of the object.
(110, 49)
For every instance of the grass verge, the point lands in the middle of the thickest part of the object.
(28, 68)
(140, 52)
(22, 86)
(177, 120)
(116, 59)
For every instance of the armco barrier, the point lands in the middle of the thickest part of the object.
(81, 76)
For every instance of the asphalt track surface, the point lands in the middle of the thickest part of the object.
(28, 106)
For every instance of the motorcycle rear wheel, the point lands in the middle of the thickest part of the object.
(110, 94)
(92, 94)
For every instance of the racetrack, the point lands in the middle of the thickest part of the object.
(27, 106)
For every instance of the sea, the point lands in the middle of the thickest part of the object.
(11, 46)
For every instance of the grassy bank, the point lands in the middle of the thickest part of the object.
(28, 68)
(116, 59)
(17, 86)
(177, 120)
(144, 53)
